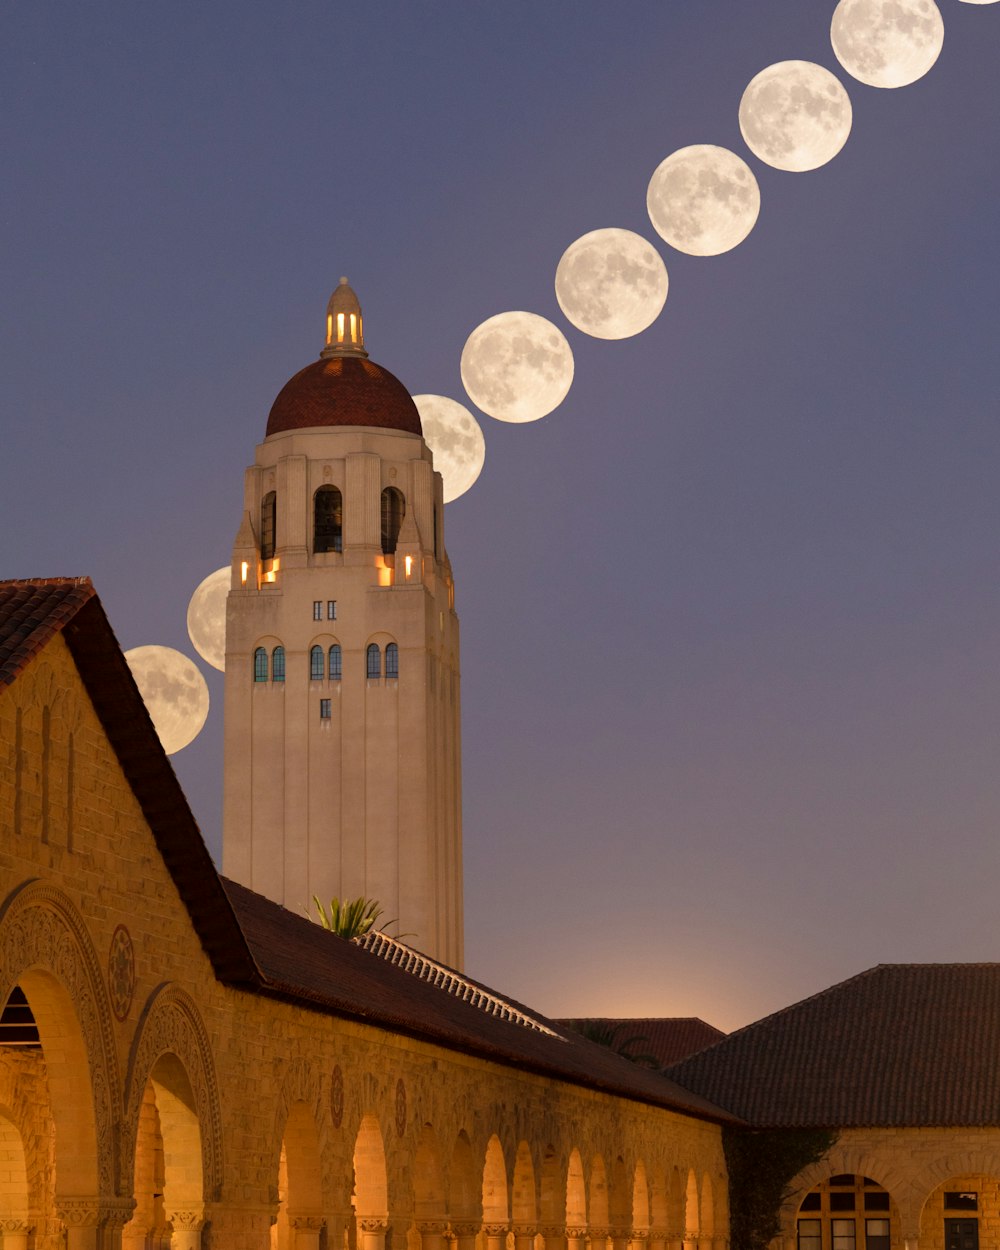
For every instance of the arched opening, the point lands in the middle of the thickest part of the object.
(316, 665)
(168, 1162)
(428, 1183)
(336, 662)
(391, 660)
(691, 1210)
(393, 511)
(659, 1204)
(706, 1212)
(600, 1210)
(371, 1190)
(524, 1207)
(576, 1198)
(552, 1201)
(328, 519)
(14, 1201)
(496, 1208)
(268, 525)
(300, 1191)
(465, 1184)
(640, 1200)
(278, 664)
(961, 1213)
(260, 665)
(846, 1212)
(373, 662)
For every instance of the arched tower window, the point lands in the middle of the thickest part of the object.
(328, 519)
(260, 665)
(316, 664)
(278, 664)
(335, 662)
(392, 660)
(393, 511)
(268, 521)
(374, 662)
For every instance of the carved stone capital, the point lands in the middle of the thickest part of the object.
(373, 1226)
(495, 1230)
(189, 1221)
(640, 1234)
(16, 1227)
(79, 1212)
(552, 1230)
(465, 1230)
(524, 1230)
(576, 1233)
(308, 1223)
(599, 1233)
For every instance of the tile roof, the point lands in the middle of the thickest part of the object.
(668, 1038)
(901, 1045)
(302, 962)
(343, 390)
(261, 948)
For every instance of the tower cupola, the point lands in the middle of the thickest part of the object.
(345, 335)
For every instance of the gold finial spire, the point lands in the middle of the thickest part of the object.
(345, 335)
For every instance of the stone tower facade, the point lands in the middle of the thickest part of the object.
(342, 749)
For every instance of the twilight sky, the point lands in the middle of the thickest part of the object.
(731, 614)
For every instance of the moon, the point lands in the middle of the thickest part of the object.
(611, 284)
(206, 618)
(174, 692)
(795, 115)
(456, 441)
(887, 43)
(517, 366)
(703, 200)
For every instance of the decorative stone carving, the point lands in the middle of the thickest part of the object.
(465, 1230)
(306, 1223)
(121, 972)
(495, 1230)
(337, 1096)
(373, 1226)
(15, 1228)
(170, 1023)
(40, 927)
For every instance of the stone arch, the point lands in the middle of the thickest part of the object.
(600, 1213)
(524, 1203)
(552, 1197)
(464, 1185)
(640, 1199)
(170, 1025)
(860, 1162)
(46, 949)
(936, 1171)
(371, 1185)
(496, 1204)
(691, 1207)
(576, 1193)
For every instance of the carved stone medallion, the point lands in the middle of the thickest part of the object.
(121, 972)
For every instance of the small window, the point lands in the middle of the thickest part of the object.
(843, 1178)
(964, 1201)
(316, 664)
(324, 709)
(268, 525)
(393, 511)
(374, 662)
(811, 1202)
(278, 664)
(260, 665)
(331, 609)
(328, 519)
(842, 1234)
(335, 662)
(841, 1202)
(810, 1235)
(877, 1201)
(877, 1234)
(317, 609)
(392, 660)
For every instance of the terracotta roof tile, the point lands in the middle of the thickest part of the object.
(31, 612)
(901, 1045)
(344, 390)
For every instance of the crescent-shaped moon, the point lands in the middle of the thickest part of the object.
(206, 618)
(456, 441)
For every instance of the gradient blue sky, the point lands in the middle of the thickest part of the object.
(731, 615)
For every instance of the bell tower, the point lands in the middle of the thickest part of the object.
(342, 753)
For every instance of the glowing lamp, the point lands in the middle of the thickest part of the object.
(244, 570)
(408, 560)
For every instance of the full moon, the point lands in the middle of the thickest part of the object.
(703, 200)
(456, 441)
(887, 43)
(206, 618)
(174, 692)
(517, 366)
(611, 283)
(795, 115)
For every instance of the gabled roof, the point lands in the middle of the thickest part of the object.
(901, 1045)
(302, 962)
(669, 1039)
(255, 944)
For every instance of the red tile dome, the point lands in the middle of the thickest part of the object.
(344, 390)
